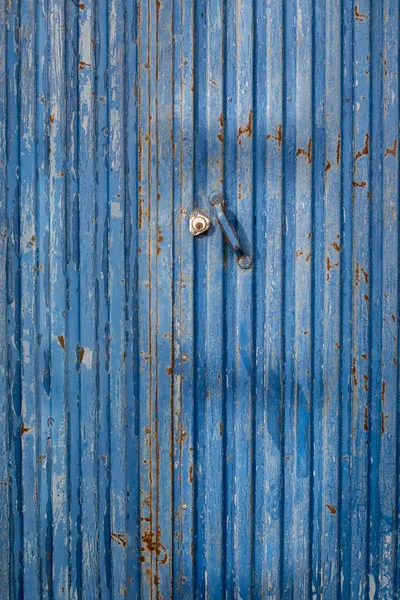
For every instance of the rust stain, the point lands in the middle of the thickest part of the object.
(159, 240)
(81, 6)
(152, 543)
(338, 150)
(25, 429)
(330, 266)
(220, 429)
(366, 383)
(51, 118)
(366, 418)
(392, 151)
(248, 129)
(357, 274)
(307, 153)
(336, 246)
(120, 539)
(360, 184)
(140, 207)
(220, 135)
(169, 370)
(81, 354)
(327, 166)
(61, 341)
(366, 276)
(354, 371)
(331, 508)
(365, 150)
(278, 136)
(359, 16)
(140, 153)
(191, 474)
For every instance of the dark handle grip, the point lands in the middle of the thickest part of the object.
(217, 200)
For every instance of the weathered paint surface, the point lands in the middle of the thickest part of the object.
(172, 426)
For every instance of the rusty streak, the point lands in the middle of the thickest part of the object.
(338, 150)
(25, 429)
(359, 16)
(307, 153)
(119, 538)
(392, 151)
(278, 136)
(248, 129)
(365, 150)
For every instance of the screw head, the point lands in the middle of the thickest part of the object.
(184, 506)
(245, 262)
(185, 357)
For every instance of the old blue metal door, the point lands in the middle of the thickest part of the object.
(173, 425)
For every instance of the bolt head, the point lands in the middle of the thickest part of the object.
(216, 198)
(245, 262)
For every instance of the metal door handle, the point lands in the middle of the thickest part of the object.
(217, 200)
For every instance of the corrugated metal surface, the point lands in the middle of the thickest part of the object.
(172, 426)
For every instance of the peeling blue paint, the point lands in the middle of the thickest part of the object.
(173, 426)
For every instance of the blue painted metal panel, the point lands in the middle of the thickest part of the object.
(172, 425)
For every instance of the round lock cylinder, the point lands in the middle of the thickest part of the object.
(199, 223)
